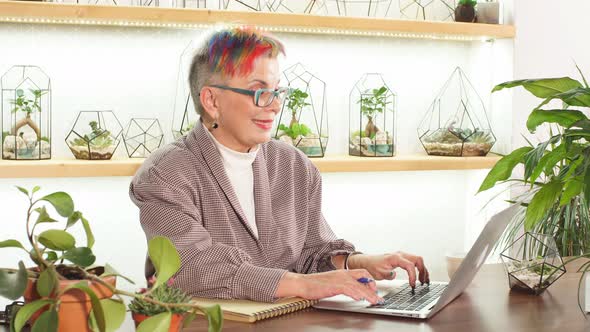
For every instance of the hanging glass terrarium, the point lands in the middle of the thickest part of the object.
(95, 135)
(372, 118)
(184, 115)
(314, 7)
(456, 123)
(26, 114)
(303, 121)
(142, 137)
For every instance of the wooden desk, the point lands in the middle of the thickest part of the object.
(486, 305)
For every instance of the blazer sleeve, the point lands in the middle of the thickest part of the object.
(208, 269)
(320, 242)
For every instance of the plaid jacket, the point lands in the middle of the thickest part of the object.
(183, 193)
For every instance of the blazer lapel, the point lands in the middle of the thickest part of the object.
(262, 200)
(213, 160)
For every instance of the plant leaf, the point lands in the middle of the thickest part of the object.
(503, 168)
(165, 258)
(11, 244)
(215, 317)
(587, 185)
(543, 200)
(36, 189)
(548, 161)
(24, 313)
(96, 304)
(51, 256)
(88, 231)
(157, 323)
(114, 313)
(73, 219)
(80, 256)
(57, 240)
(571, 189)
(23, 190)
(573, 97)
(13, 284)
(43, 216)
(47, 322)
(110, 271)
(565, 118)
(532, 158)
(542, 88)
(62, 202)
(47, 282)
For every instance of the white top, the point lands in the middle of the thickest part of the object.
(238, 167)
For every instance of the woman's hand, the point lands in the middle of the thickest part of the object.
(320, 285)
(381, 266)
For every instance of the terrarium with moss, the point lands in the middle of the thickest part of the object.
(184, 115)
(372, 118)
(456, 124)
(95, 135)
(303, 121)
(26, 114)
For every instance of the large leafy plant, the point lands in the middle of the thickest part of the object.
(51, 249)
(373, 101)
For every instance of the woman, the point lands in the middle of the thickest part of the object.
(244, 211)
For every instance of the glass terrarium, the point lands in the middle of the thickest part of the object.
(95, 135)
(249, 5)
(26, 114)
(456, 123)
(142, 137)
(532, 262)
(370, 8)
(303, 121)
(314, 7)
(184, 115)
(432, 10)
(372, 118)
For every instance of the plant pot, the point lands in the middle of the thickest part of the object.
(175, 323)
(465, 13)
(75, 304)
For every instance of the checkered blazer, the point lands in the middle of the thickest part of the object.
(183, 193)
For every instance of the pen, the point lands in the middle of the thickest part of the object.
(364, 280)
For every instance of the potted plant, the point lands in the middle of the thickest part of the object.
(465, 11)
(166, 293)
(96, 141)
(556, 171)
(75, 297)
(373, 141)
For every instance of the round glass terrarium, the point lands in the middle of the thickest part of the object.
(372, 118)
(303, 121)
(26, 114)
(456, 124)
(95, 135)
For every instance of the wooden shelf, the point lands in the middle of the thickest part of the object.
(128, 167)
(56, 13)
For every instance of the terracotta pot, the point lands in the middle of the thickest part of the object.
(75, 304)
(465, 13)
(175, 323)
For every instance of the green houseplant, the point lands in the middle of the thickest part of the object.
(372, 141)
(556, 171)
(77, 296)
(465, 11)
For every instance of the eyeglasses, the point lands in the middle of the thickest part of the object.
(262, 97)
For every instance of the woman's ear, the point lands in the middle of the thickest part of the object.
(209, 102)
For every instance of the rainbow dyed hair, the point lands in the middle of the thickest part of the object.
(233, 51)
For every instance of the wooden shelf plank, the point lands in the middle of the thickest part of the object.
(43, 12)
(128, 167)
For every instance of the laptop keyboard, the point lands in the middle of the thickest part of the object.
(405, 300)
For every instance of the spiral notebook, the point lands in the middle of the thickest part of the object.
(250, 311)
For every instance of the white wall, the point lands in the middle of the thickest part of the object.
(133, 71)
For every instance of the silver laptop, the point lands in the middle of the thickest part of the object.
(427, 300)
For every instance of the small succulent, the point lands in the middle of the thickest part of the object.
(98, 138)
(471, 3)
(164, 293)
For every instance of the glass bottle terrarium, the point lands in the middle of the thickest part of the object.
(532, 262)
(372, 118)
(26, 114)
(142, 137)
(314, 7)
(95, 135)
(184, 115)
(303, 121)
(370, 8)
(456, 123)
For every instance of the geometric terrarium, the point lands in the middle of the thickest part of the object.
(372, 118)
(533, 263)
(26, 114)
(95, 135)
(431, 10)
(314, 7)
(303, 121)
(456, 123)
(142, 137)
(369, 8)
(184, 115)
(254, 5)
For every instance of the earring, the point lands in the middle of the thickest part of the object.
(215, 125)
